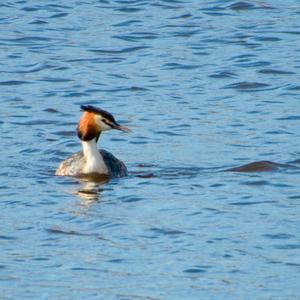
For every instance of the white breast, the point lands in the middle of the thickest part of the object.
(94, 162)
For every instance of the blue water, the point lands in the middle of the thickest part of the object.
(204, 85)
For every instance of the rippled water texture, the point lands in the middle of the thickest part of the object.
(205, 86)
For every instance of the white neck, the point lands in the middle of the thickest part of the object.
(94, 162)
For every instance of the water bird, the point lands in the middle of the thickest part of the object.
(91, 161)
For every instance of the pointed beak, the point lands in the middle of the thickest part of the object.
(122, 128)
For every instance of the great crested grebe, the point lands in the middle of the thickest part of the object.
(91, 160)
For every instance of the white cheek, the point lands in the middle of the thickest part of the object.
(104, 127)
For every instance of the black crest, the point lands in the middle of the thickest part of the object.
(99, 111)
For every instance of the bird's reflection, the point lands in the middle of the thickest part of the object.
(91, 188)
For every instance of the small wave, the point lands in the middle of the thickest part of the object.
(168, 133)
(253, 64)
(74, 94)
(248, 86)
(51, 110)
(127, 23)
(288, 247)
(185, 33)
(38, 22)
(223, 74)
(138, 36)
(64, 133)
(131, 198)
(260, 166)
(14, 82)
(34, 69)
(293, 88)
(256, 183)
(175, 66)
(241, 5)
(128, 9)
(182, 16)
(6, 237)
(122, 51)
(164, 231)
(60, 15)
(153, 171)
(57, 230)
(279, 236)
(27, 39)
(275, 72)
(56, 79)
(267, 39)
(35, 122)
(289, 118)
(292, 32)
(247, 203)
(196, 270)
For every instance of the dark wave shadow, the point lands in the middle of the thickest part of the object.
(261, 166)
(189, 172)
(60, 231)
(148, 171)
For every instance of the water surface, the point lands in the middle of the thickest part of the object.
(205, 86)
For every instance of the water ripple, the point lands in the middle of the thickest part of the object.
(14, 82)
(121, 51)
(248, 86)
(205, 86)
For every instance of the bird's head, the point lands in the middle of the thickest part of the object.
(95, 120)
